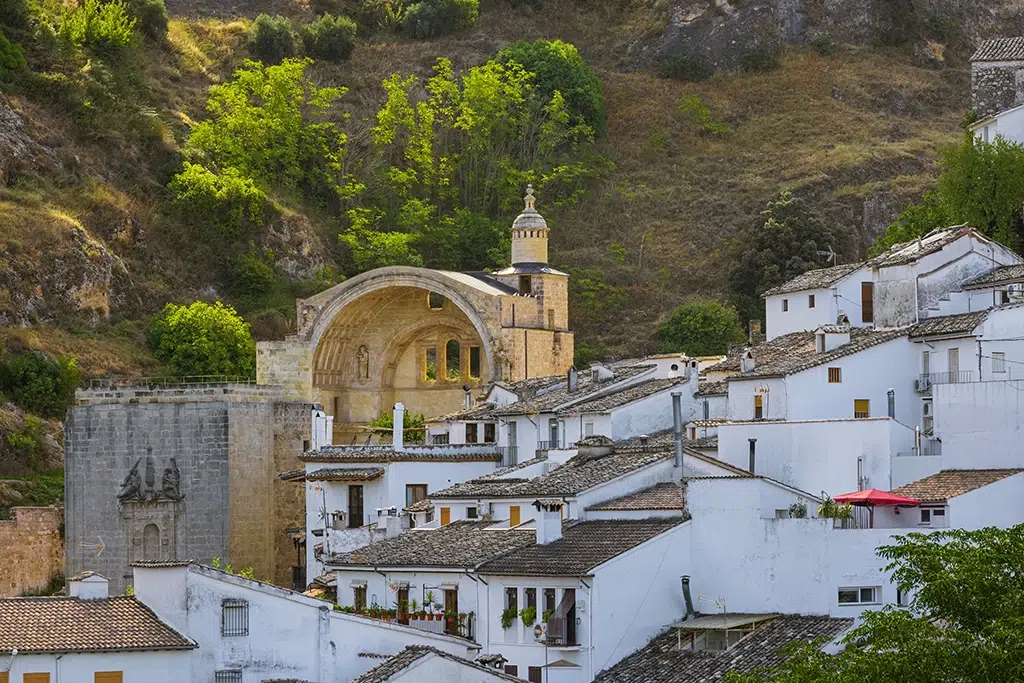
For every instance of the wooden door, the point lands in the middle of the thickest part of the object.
(36, 678)
(355, 506)
(513, 515)
(451, 610)
(446, 516)
(867, 302)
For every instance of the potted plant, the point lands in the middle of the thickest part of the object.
(508, 617)
(414, 609)
(528, 615)
(438, 612)
(546, 617)
(428, 604)
(798, 510)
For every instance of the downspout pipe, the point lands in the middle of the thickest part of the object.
(677, 427)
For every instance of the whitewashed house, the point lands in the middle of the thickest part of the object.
(416, 664)
(1007, 124)
(89, 637)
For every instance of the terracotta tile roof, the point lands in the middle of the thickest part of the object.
(660, 661)
(292, 475)
(59, 624)
(1003, 274)
(664, 496)
(999, 50)
(424, 505)
(713, 388)
(463, 544)
(960, 323)
(384, 672)
(947, 484)
(582, 547)
(483, 411)
(551, 400)
(618, 398)
(346, 474)
(386, 454)
(820, 278)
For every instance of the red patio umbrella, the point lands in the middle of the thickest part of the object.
(872, 497)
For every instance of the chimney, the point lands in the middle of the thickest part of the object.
(398, 428)
(686, 596)
(892, 403)
(88, 586)
(747, 361)
(549, 520)
(677, 426)
(469, 397)
(755, 336)
(753, 454)
(693, 376)
(573, 379)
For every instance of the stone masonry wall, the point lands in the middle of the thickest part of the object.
(293, 426)
(288, 364)
(251, 476)
(31, 548)
(996, 87)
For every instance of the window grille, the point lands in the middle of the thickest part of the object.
(227, 677)
(835, 375)
(234, 619)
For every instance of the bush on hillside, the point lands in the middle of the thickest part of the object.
(14, 13)
(330, 37)
(433, 18)
(685, 68)
(151, 16)
(824, 46)
(760, 60)
(203, 340)
(104, 27)
(228, 204)
(700, 117)
(272, 39)
(703, 328)
(40, 384)
(252, 273)
(379, 15)
(12, 59)
(559, 67)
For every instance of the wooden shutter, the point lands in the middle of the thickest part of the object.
(36, 678)
(109, 677)
(513, 515)
(867, 302)
(861, 408)
(446, 516)
(3, 677)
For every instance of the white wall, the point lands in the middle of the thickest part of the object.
(1001, 504)
(980, 424)
(773, 398)
(1008, 124)
(799, 317)
(436, 668)
(151, 667)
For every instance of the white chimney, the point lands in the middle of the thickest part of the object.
(694, 376)
(747, 361)
(88, 586)
(398, 428)
(549, 520)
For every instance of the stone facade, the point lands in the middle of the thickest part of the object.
(996, 86)
(31, 548)
(183, 472)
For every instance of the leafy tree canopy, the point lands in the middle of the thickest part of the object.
(201, 339)
(702, 328)
(38, 383)
(412, 424)
(963, 624)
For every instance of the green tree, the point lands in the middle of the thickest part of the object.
(227, 205)
(12, 58)
(432, 18)
(918, 219)
(330, 37)
(412, 425)
(105, 27)
(273, 39)
(701, 328)
(790, 241)
(558, 67)
(963, 623)
(201, 339)
(38, 383)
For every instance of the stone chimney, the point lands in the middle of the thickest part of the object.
(88, 586)
(398, 428)
(572, 379)
(755, 336)
(693, 375)
(549, 520)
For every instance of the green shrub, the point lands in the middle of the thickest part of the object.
(203, 340)
(104, 27)
(703, 328)
(252, 273)
(227, 204)
(760, 60)
(14, 13)
(151, 16)
(412, 425)
(558, 66)
(823, 45)
(432, 18)
(685, 68)
(330, 37)
(12, 59)
(40, 384)
(700, 116)
(272, 39)
(379, 15)
(943, 29)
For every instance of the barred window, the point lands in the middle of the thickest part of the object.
(234, 621)
(227, 677)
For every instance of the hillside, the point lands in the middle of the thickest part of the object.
(89, 247)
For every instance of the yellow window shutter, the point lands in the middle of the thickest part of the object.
(446, 516)
(109, 677)
(513, 515)
(36, 678)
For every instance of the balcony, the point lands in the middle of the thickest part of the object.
(509, 455)
(924, 383)
(549, 445)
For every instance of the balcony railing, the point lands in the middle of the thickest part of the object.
(548, 445)
(509, 455)
(925, 382)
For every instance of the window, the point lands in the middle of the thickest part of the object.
(489, 433)
(513, 515)
(227, 677)
(1004, 297)
(355, 506)
(859, 596)
(867, 302)
(525, 284)
(512, 669)
(359, 597)
(474, 362)
(926, 362)
(902, 598)
(435, 301)
(953, 363)
(471, 432)
(835, 375)
(453, 360)
(446, 516)
(414, 493)
(430, 365)
(998, 361)
(535, 675)
(551, 318)
(785, 305)
(861, 408)
(106, 677)
(234, 617)
(933, 515)
(758, 407)
(512, 598)
(553, 431)
(810, 301)
(588, 429)
(471, 512)
(36, 678)
(530, 595)
(549, 601)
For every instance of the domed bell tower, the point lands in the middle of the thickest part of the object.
(529, 234)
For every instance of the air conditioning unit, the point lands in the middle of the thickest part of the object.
(927, 408)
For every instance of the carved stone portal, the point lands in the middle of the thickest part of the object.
(151, 527)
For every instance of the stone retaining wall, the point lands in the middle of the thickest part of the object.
(31, 547)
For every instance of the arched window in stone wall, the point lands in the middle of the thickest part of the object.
(151, 542)
(453, 360)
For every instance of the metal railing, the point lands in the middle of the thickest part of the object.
(954, 377)
(548, 445)
(114, 382)
(509, 455)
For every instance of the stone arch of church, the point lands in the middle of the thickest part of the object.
(407, 335)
